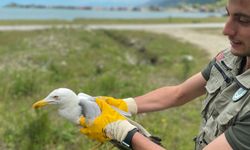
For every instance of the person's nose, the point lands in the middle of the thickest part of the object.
(230, 27)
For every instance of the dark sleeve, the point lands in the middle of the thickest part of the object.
(238, 135)
(206, 71)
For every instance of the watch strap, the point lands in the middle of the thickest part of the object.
(128, 139)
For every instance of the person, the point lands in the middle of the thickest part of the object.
(226, 81)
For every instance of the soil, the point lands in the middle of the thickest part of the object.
(210, 42)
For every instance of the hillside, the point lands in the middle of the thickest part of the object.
(168, 3)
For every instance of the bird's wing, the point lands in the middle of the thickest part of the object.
(90, 109)
(86, 97)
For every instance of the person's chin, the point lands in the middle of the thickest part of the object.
(237, 51)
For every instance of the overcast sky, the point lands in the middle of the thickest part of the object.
(78, 2)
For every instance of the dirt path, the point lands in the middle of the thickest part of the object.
(212, 43)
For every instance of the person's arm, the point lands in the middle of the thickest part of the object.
(140, 142)
(220, 143)
(171, 96)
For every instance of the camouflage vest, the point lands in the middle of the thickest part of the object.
(227, 98)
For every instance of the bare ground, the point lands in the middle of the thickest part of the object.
(210, 42)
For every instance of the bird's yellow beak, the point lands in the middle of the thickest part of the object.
(39, 104)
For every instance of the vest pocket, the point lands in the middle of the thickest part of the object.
(210, 130)
(213, 127)
(215, 81)
(229, 115)
(224, 120)
(212, 87)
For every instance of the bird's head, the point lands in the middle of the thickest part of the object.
(61, 97)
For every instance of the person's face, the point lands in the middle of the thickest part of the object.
(237, 26)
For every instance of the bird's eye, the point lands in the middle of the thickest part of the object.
(56, 97)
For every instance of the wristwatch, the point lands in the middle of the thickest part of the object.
(128, 139)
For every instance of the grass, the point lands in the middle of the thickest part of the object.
(114, 21)
(100, 62)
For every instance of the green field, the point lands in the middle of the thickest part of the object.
(101, 62)
(114, 21)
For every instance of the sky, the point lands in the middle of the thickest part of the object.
(78, 2)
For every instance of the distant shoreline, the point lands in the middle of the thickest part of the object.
(117, 8)
(114, 8)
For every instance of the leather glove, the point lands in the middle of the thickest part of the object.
(127, 104)
(108, 125)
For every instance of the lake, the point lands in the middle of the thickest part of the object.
(65, 14)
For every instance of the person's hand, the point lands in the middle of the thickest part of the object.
(127, 104)
(109, 125)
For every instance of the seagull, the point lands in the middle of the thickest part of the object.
(71, 106)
